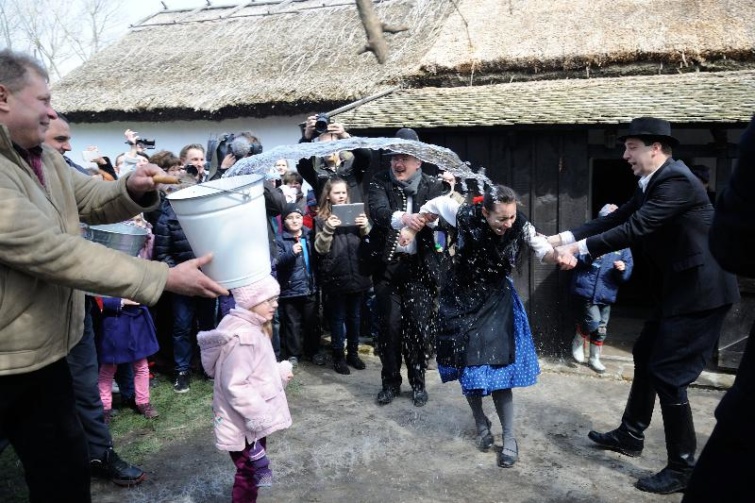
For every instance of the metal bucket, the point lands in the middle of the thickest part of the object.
(122, 237)
(227, 217)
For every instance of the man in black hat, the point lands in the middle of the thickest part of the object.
(668, 220)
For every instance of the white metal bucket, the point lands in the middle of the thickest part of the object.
(227, 217)
(120, 236)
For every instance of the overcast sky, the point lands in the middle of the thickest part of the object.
(137, 10)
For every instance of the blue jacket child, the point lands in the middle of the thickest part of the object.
(297, 307)
(595, 284)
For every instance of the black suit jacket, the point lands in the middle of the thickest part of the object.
(669, 223)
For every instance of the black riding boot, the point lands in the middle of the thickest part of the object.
(680, 446)
(629, 437)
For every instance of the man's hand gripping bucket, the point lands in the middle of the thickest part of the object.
(227, 217)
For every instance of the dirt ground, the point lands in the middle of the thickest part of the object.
(343, 447)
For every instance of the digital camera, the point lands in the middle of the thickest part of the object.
(321, 123)
(146, 143)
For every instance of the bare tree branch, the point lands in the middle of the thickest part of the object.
(374, 28)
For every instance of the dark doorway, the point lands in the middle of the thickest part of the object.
(614, 183)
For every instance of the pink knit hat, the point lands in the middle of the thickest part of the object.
(258, 292)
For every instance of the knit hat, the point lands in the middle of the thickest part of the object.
(291, 208)
(605, 210)
(258, 292)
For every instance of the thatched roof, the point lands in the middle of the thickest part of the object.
(294, 56)
(694, 98)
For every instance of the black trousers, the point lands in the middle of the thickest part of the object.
(82, 361)
(38, 416)
(406, 310)
(299, 332)
(670, 353)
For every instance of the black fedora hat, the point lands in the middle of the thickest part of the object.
(652, 129)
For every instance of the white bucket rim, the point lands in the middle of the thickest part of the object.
(190, 193)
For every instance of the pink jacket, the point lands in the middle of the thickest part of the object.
(249, 400)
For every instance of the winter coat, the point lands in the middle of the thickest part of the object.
(385, 198)
(171, 245)
(46, 265)
(128, 333)
(597, 279)
(249, 400)
(668, 223)
(341, 256)
(293, 276)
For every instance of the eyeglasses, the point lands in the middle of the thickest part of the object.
(271, 300)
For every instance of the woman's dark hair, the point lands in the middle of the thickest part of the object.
(496, 194)
(165, 159)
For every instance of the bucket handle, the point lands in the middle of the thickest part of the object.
(246, 193)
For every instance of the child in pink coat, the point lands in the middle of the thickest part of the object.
(249, 401)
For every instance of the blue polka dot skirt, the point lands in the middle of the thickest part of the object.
(481, 380)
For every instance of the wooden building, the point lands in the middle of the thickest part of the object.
(534, 91)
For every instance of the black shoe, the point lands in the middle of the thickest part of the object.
(484, 437)
(339, 365)
(386, 395)
(508, 457)
(356, 362)
(667, 481)
(181, 385)
(619, 441)
(419, 397)
(319, 359)
(111, 467)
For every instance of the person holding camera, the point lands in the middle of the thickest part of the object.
(193, 159)
(349, 166)
(172, 247)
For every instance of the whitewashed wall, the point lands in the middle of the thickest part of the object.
(109, 138)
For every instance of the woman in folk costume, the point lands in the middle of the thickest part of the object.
(484, 338)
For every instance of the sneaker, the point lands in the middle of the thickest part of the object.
(146, 410)
(181, 385)
(111, 467)
(294, 361)
(355, 361)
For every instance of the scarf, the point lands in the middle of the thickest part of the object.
(410, 186)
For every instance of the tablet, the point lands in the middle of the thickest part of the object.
(347, 213)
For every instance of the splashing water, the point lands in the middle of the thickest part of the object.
(442, 157)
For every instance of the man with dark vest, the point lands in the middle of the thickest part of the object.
(667, 220)
(406, 275)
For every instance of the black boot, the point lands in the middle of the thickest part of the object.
(352, 350)
(111, 467)
(339, 362)
(681, 444)
(629, 437)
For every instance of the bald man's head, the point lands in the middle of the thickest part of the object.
(58, 136)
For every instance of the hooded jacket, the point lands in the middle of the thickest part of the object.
(249, 400)
(45, 264)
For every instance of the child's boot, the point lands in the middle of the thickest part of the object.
(594, 361)
(578, 347)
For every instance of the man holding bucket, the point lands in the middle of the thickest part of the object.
(45, 268)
